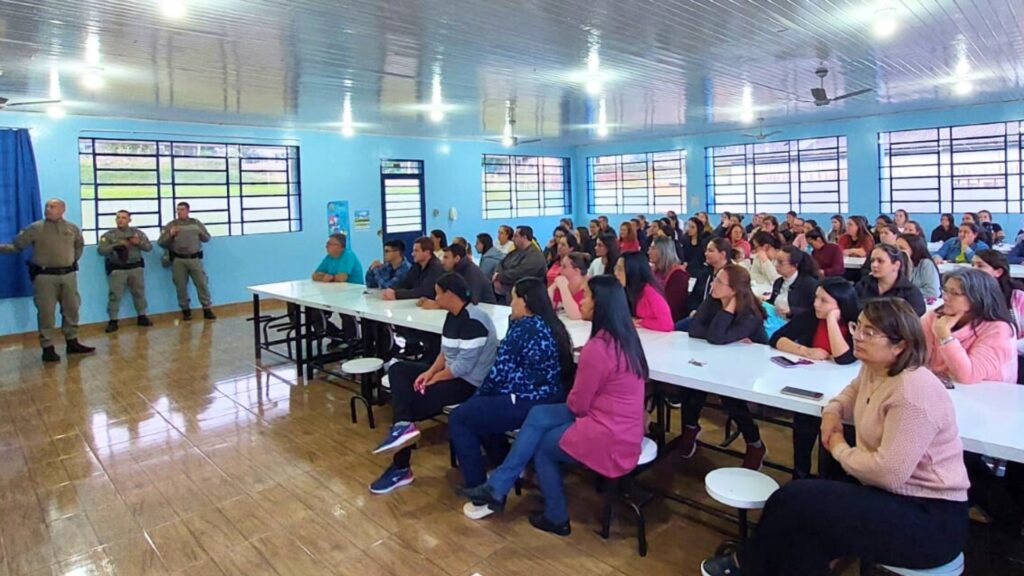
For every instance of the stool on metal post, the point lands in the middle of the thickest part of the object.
(622, 489)
(954, 568)
(742, 489)
(367, 373)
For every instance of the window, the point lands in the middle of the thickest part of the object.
(803, 175)
(525, 186)
(402, 185)
(650, 183)
(235, 189)
(952, 169)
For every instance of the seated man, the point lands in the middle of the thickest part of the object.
(339, 265)
(526, 261)
(456, 260)
(389, 273)
(418, 283)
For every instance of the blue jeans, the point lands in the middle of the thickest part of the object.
(538, 440)
(481, 422)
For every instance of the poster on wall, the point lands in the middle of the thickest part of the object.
(337, 217)
(361, 220)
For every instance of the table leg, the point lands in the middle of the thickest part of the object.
(256, 334)
(308, 344)
(659, 415)
(297, 329)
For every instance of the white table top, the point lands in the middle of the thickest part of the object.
(854, 262)
(988, 414)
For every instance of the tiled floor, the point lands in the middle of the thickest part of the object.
(169, 451)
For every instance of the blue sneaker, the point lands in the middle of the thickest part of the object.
(392, 478)
(400, 435)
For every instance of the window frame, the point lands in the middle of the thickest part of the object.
(942, 197)
(652, 206)
(513, 210)
(165, 179)
(794, 183)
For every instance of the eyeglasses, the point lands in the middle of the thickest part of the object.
(865, 333)
(946, 292)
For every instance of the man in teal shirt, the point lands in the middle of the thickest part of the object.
(340, 264)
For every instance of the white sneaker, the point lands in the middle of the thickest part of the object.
(474, 512)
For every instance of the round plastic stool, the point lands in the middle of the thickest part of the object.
(742, 489)
(362, 365)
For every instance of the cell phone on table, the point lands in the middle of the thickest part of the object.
(801, 393)
(946, 381)
(787, 363)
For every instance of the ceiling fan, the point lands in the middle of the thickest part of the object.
(821, 96)
(5, 103)
(508, 133)
(761, 134)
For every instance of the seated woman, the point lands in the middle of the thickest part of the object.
(819, 334)
(550, 250)
(962, 248)
(762, 261)
(419, 391)
(693, 245)
(971, 337)
(857, 241)
(995, 264)
(567, 290)
(534, 366)
(793, 291)
(628, 239)
(738, 238)
(607, 254)
(889, 277)
(601, 425)
(490, 255)
(910, 507)
(646, 299)
(563, 247)
(924, 273)
(672, 276)
(731, 314)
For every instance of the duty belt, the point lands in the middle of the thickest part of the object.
(198, 255)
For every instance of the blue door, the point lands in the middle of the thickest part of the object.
(402, 202)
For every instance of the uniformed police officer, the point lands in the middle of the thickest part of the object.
(123, 247)
(183, 238)
(56, 248)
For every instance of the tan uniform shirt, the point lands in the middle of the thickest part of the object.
(190, 237)
(55, 244)
(116, 237)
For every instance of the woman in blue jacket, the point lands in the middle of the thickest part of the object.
(962, 248)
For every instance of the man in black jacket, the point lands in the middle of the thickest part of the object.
(455, 260)
(419, 282)
(793, 292)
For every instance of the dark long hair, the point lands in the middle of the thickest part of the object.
(441, 237)
(638, 275)
(534, 292)
(999, 261)
(895, 255)
(584, 233)
(486, 241)
(863, 230)
(894, 318)
(918, 248)
(739, 281)
(611, 316)
(845, 294)
(804, 263)
(611, 244)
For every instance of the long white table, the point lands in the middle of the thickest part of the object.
(988, 414)
(856, 262)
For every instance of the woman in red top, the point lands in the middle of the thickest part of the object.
(564, 246)
(601, 425)
(646, 300)
(738, 238)
(821, 334)
(628, 241)
(567, 289)
(858, 240)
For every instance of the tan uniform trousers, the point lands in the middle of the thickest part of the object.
(181, 270)
(135, 280)
(49, 290)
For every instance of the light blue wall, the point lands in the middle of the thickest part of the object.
(332, 168)
(862, 144)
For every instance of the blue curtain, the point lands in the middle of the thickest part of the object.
(20, 205)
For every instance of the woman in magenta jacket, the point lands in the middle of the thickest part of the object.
(646, 300)
(601, 425)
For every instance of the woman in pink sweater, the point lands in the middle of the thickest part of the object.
(646, 300)
(910, 508)
(601, 425)
(972, 336)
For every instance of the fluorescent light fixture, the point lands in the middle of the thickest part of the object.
(747, 105)
(54, 83)
(593, 84)
(436, 99)
(886, 24)
(963, 87)
(174, 9)
(506, 134)
(347, 128)
(93, 80)
(602, 119)
(92, 49)
(963, 66)
(56, 112)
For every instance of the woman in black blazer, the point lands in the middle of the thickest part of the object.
(890, 277)
(793, 292)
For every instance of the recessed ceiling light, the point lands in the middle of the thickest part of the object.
(93, 80)
(886, 24)
(174, 9)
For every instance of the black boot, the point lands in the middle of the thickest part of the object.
(76, 347)
(208, 314)
(50, 355)
(186, 315)
(540, 522)
(111, 327)
(145, 321)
